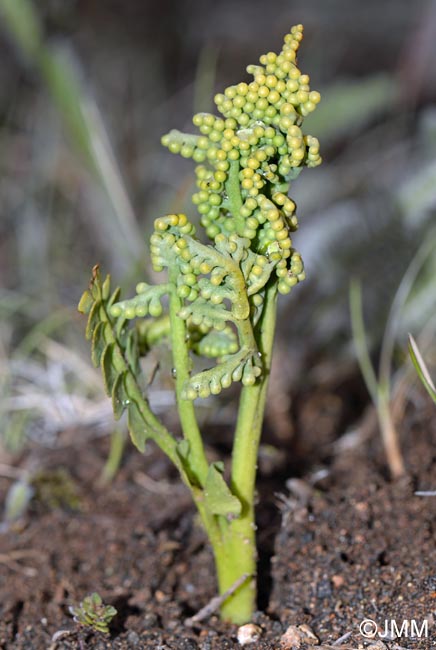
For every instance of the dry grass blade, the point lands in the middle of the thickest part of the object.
(60, 392)
(59, 69)
(421, 368)
(378, 387)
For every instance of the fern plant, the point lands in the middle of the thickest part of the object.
(219, 298)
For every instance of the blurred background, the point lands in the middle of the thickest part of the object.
(87, 89)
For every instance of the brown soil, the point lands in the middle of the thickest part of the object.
(359, 547)
(351, 546)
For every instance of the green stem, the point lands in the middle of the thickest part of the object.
(233, 189)
(181, 361)
(236, 554)
(113, 462)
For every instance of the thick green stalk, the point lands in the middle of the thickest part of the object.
(191, 432)
(233, 189)
(236, 555)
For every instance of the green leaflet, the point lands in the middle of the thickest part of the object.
(176, 137)
(243, 366)
(99, 343)
(115, 349)
(120, 397)
(218, 497)
(183, 449)
(112, 364)
(137, 427)
(114, 297)
(217, 344)
(146, 302)
(132, 351)
(106, 288)
(202, 313)
(94, 317)
(141, 421)
(85, 303)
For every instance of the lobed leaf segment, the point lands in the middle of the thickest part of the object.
(115, 348)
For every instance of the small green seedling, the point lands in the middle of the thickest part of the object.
(92, 613)
(421, 368)
(219, 299)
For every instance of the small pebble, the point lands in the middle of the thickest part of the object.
(324, 589)
(133, 638)
(308, 635)
(188, 644)
(291, 638)
(295, 636)
(149, 620)
(249, 633)
(160, 596)
(338, 581)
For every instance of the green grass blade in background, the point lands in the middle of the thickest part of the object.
(60, 72)
(416, 196)
(360, 340)
(348, 105)
(421, 368)
(424, 252)
(205, 79)
(23, 26)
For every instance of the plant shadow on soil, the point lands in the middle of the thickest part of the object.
(351, 546)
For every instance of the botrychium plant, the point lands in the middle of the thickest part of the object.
(92, 613)
(219, 299)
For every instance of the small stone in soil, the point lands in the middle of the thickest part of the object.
(188, 644)
(338, 581)
(295, 636)
(308, 635)
(249, 633)
(149, 621)
(291, 638)
(133, 638)
(324, 589)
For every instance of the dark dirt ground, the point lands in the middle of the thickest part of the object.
(336, 547)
